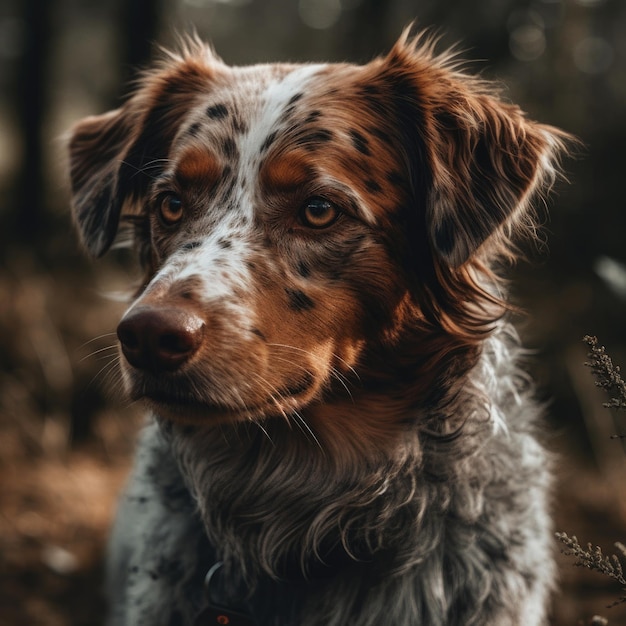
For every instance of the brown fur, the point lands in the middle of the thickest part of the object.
(345, 392)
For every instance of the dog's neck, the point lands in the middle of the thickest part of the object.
(280, 498)
(269, 499)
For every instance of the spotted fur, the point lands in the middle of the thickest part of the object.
(342, 420)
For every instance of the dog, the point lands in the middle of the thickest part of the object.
(341, 432)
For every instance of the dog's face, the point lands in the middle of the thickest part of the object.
(303, 225)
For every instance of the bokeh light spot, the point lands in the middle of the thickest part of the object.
(527, 42)
(319, 14)
(593, 55)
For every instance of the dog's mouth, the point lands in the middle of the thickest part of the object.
(188, 409)
(191, 411)
(181, 403)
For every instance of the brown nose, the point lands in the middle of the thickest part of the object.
(160, 339)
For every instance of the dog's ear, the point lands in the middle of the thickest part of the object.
(485, 159)
(114, 156)
(97, 148)
(488, 163)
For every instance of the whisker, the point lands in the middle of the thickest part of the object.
(147, 167)
(309, 353)
(335, 373)
(104, 370)
(98, 352)
(307, 430)
(342, 380)
(260, 426)
(98, 338)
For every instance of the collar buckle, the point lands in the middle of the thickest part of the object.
(217, 614)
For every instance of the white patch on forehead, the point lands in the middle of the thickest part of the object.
(273, 102)
(267, 113)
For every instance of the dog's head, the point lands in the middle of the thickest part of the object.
(311, 233)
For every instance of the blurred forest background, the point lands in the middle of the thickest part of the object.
(65, 437)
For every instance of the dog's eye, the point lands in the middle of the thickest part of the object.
(170, 209)
(319, 213)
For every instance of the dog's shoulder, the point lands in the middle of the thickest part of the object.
(157, 548)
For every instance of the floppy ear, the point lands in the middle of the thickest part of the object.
(488, 164)
(97, 147)
(114, 156)
(486, 161)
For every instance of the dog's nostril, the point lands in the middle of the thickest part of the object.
(160, 339)
(176, 343)
(127, 337)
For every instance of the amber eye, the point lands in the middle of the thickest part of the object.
(170, 208)
(319, 213)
